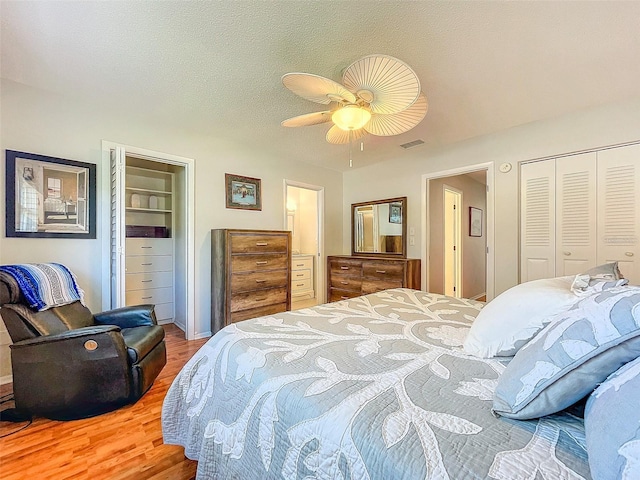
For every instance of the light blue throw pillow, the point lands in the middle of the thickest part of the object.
(612, 426)
(572, 355)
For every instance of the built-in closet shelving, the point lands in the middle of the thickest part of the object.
(149, 246)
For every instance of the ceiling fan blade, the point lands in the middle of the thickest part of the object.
(308, 119)
(316, 88)
(387, 84)
(338, 136)
(397, 123)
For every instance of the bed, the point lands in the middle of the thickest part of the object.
(375, 387)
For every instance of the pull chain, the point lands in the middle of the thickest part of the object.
(350, 145)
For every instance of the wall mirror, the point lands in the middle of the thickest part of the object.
(379, 228)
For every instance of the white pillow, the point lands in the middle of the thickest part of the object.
(514, 317)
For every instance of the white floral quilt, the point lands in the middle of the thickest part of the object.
(376, 387)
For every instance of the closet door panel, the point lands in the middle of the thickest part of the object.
(618, 228)
(575, 214)
(537, 220)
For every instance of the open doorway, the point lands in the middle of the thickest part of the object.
(304, 213)
(456, 252)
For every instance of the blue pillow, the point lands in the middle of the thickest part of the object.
(572, 355)
(612, 425)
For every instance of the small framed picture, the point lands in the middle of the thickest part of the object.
(243, 192)
(49, 197)
(475, 222)
(395, 213)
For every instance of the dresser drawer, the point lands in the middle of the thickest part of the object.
(346, 283)
(336, 295)
(148, 295)
(148, 263)
(164, 311)
(149, 246)
(140, 281)
(383, 271)
(345, 267)
(373, 286)
(258, 298)
(301, 275)
(302, 263)
(300, 285)
(252, 263)
(259, 243)
(258, 312)
(242, 282)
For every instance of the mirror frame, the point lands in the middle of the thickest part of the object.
(403, 254)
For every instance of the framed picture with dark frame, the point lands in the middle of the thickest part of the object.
(395, 213)
(475, 222)
(243, 192)
(49, 197)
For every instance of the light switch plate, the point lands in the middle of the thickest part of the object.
(412, 231)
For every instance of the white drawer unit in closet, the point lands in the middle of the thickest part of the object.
(149, 275)
(302, 276)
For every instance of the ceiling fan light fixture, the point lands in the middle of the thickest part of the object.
(351, 117)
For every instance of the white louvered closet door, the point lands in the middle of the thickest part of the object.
(575, 214)
(537, 221)
(619, 209)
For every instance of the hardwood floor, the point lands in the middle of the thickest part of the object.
(124, 444)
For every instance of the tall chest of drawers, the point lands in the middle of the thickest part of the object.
(350, 277)
(250, 274)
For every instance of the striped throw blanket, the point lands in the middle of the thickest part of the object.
(45, 285)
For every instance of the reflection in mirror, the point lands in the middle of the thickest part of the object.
(379, 227)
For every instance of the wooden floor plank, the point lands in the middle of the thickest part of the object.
(120, 445)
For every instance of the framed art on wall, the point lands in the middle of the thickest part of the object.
(475, 222)
(243, 192)
(395, 213)
(49, 197)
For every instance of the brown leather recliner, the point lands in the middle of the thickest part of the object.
(68, 363)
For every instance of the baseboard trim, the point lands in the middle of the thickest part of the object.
(6, 379)
(478, 296)
(200, 336)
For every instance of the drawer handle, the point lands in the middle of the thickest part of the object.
(260, 281)
(344, 298)
(567, 253)
(344, 283)
(146, 264)
(261, 299)
(261, 244)
(147, 281)
(344, 268)
(146, 247)
(147, 298)
(629, 254)
(299, 264)
(263, 262)
(300, 275)
(381, 271)
(300, 285)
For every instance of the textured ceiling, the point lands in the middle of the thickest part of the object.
(215, 67)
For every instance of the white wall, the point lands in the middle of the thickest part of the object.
(38, 122)
(608, 125)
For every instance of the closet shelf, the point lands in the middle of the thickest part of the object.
(148, 191)
(147, 210)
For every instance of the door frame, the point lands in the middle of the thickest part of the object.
(189, 215)
(424, 221)
(458, 267)
(321, 291)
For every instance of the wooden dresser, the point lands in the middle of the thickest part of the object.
(250, 274)
(349, 277)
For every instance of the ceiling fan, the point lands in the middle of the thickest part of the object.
(379, 95)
